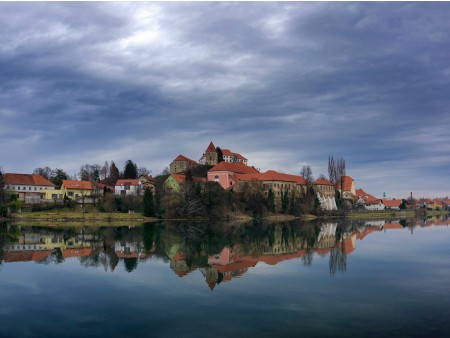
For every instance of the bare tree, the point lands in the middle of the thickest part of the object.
(44, 172)
(143, 171)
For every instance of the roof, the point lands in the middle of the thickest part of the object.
(131, 182)
(80, 185)
(211, 147)
(392, 203)
(76, 252)
(26, 179)
(368, 198)
(234, 167)
(228, 152)
(25, 256)
(180, 178)
(322, 181)
(347, 180)
(102, 186)
(181, 158)
(270, 175)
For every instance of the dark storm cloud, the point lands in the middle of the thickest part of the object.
(286, 84)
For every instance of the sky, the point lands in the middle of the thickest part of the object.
(285, 84)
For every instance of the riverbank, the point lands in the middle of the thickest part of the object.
(63, 218)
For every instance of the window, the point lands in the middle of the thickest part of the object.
(29, 188)
(216, 178)
(35, 188)
(24, 188)
(70, 193)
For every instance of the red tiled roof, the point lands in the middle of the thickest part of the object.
(322, 181)
(271, 175)
(211, 147)
(25, 256)
(121, 254)
(131, 182)
(26, 179)
(102, 186)
(392, 203)
(347, 183)
(233, 167)
(368, 198)
(80, 185)
(76, 252)
(180, 178)
(393, 226)
(239, 156)
(227, 152)
(181, 158)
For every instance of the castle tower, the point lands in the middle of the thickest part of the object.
(210, 155)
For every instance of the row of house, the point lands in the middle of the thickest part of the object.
(32, 188)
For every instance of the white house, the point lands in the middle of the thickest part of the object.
(128, 187)
(377, 205)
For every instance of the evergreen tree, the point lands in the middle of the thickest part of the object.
(3, 208)
(130, 170)
(58, 175)
(113, 175)
(219, 155)
(284, 201)
(149, 205)
(271, 201)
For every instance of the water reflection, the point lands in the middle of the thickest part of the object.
(221, 252)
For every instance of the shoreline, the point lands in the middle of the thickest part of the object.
(119, 219)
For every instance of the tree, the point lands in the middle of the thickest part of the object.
(219, 155)
(284, 201)
(113, 175)
(44, 172)
(58, 175)
(143, 171)
(130, 170)
(271, 201)
(336, 171)
(149, 205)
(306, 173)
(3, 198)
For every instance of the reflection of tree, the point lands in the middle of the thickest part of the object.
(130, 264)
(338, 259)
(56, 257)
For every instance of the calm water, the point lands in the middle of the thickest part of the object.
(371, 279)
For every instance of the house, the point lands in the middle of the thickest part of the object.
(376, 205)
(128, 187)
(229, 156)
(180, 164)
(278, 183)
(346, 187)
(100, 188)
(324, 187)
(76, 189)
(174, 181)
(147, 181)
(223, 173)
(30, 187)
(392, 204)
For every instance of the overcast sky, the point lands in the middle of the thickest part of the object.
(284, 84)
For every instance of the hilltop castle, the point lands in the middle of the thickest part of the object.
(211, 157)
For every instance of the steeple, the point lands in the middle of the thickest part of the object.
(211, 148)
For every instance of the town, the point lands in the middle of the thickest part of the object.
(220, 182)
